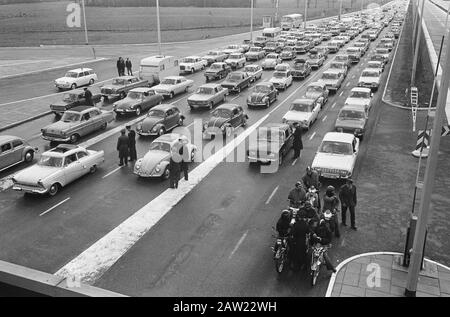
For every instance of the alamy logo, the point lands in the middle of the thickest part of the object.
(73, 20)
(374, 278)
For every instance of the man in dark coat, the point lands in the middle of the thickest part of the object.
(119, 65)
(323, 235)
(185, 158)
(298, 144)
(122, 147)
(88, 97)
(174, 169)
(299, 242)
(122, 67)
(129, 67)
(297, 195)
(347, 195)
(131, 144)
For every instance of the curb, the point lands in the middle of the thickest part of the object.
(15, 124)
(439, 6)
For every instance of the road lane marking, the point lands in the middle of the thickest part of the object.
(341, 93)
(55, 206)
(112, 172)
(293, 163)
(238, 244)
(324, 118)
(348, 84)
(273, 192)
(312, 136)
(235, 97)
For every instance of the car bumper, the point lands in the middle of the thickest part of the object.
(211, 76)
(368, 85)
(63, 86)
(254, 159)
(110, 96)
(30, 189)
(151, 174)
(279, 85)
(199, 104)
(213, 131)
(56, 138)
(232, 88)
(146, 133)
(333, 88)
(122, 111)
(256, 103)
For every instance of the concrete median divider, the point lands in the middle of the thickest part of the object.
(20, 281)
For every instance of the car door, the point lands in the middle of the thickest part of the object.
(73, 168)
(6, 155)
(17, 150)
(84, 160)
(170, 119)
(96, 119)
(85, 125)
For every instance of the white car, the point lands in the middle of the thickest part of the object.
(281, 79)
(376, 65)
(271, 61)
(255, 53)
(254, 71)
(192, 64)
(383, 52)
(333, 79)
(336, 156)
(215, 56)
(370, 78)
(236, 60)
(76, 78)
(233, 48)
(173, 85)
(283, 67)
(303, 111)
(360, 96)
(57, 168)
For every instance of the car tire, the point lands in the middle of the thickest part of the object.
(267, 103)
(103, 126)
(192, 156)
(239, 90)
(166, 173)
(280, 159)
(93, 169)
(180, 121)
(91, 82)
(192, 70)
(28, 156)
(161, 131)
(191, 107)
(54, 189)
(74, 138)
(73, 86)
(211, 105)
(138, 111)
(172, 95)
(123, 94)
(228, 131)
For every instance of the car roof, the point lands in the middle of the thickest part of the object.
(125, 77)
(141, 89)
(192, 56)
(7, 138)
(353, 107)
(372, 70)
(239, 72)
(275, 125)
(317, 83)
(211, 85)
(164, 106)
(169, 137)
(80, 70)
(264, 83)
(303, 100)
(174, 77)
(219, 63)
(81, 108)
(362, 89)
(229, 106)
(339, 137)
(63, 150)
(332, 70)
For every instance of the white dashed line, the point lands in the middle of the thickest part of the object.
(341, 93)
(113, 171)
(324, 118)
(238, 244)
(312, 136)
(273, 193)
(57, 205)
(293, 163)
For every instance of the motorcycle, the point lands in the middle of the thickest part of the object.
(281, 251)
(313, 196)
(317, 260)
(330, 220)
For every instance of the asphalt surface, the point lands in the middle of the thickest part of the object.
(197, 249)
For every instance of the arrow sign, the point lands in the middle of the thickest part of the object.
(445, 130)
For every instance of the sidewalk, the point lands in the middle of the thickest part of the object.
(352, 277)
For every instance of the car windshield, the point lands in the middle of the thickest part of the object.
(118, 81)
(213, 53)
(169, 81)
(232, 47)
(71, 117)
(314, 89)
(330, 76)
(160, 146)
(234, 77)
(271, 44)
(279, 74)
(360, 94)
(262, 89)
(313, 55)
(272, 56)
(235, 56)
(216, 66)
(337, 65)
(300, 65)
(303, 107)
(268, 134)
(254, 49)
(369, 74)
(302, 43)
(47, 160)
(250, 69)
(222, 113)
(71, 75)
(335, 147)
(341, 58)
(351, 114)
(205, 91)
(156, 113)
(69, 97)
(189, 60)
(134, 95)
(260, 38)
(373, 65)
(382, 51)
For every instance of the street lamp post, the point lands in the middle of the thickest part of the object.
(251, 20)
(416, 50)
(340, 9)
(85, 25)
(158, 27)
(306, 13)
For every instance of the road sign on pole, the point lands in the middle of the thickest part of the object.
(414, 105)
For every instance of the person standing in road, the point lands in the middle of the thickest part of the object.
(129, 67)
(122, 147)
(347, 195)
(131, 143)
(119, 66)
(122, 67)
(174, 170)
(185, 158)
(88, 97)
(298, 144)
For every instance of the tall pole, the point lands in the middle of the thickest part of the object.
(251, 20)
(416, 50)
(306, 13)
(428, 183)
(158, 27)
(85, 25)
(276, 11)
(362, 6)
(340, 9)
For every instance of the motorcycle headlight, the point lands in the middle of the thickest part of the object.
(222, 128)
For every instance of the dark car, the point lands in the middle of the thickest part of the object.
(272, 47)
(120, 86)
(72, 99)
(217, 70)
(273, 143)
(236, 81)
(262, 95)
(303, 46)
(301, 69)
(224, 120)
(137, 100)
(160, 119)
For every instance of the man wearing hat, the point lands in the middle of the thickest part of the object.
(88, 97)
(297, 195)
(185, 157)
(122, 147)
(347, 195)
(131, 143)
(298, 144)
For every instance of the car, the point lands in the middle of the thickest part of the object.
(272, 47)
(303, 46)
(224, 120)
(333, 79)
(217, 70)
(271, 61)
(379, 58)
(333, 46)
(342, 40)
(303, 111)
(360, 96)
(316, 59)
(215, 56)
(173, 85)
(245, 46)
(288, 53)
(260, 41)
(207, 95)
(160, 119)
(155, 162)
(263, 94)
(136, 101)
(72, 99)
(236, 81)
(76, 78)
(281, 79)
(323, 49)
(370, 78)
(376, 65)
(340, 66)
(362, 46)
(120, 86)
(354, 53)
(233, 48)
(273, 143)
(56, 169)
(254, 71)
(76, 123)
(15, 150)
(236, 60)
(192, 64)
(317, 38)
(343, 58)
(317, 91)
(336, 156)
(352, 119)
(301, 69)
(255, 53)
(383, 52)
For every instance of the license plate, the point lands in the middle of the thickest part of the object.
(326, 175)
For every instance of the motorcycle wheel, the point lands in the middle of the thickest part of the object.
(280, 263)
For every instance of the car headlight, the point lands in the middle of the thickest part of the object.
(138, 164)
(114, 106)
(344, 173)
(358, 130)
(205, 126)
(157, 169)
(249, 98)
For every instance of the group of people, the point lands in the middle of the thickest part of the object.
(126, 146)
(122, 64)
(315, 220)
